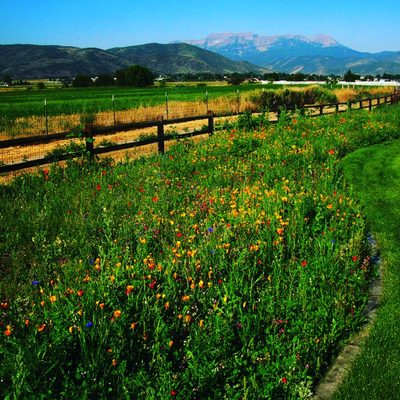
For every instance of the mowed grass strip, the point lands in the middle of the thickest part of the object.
(375, 174)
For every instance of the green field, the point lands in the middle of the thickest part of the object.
(235, 268)
(23, 103)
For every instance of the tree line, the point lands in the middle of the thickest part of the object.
(139, 76)
(135, 75)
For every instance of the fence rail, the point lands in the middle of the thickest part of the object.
(90, 132)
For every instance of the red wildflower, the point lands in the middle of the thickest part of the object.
(284, 380)
(304, 263)
(4, 305)
(98, 187)
(152, 284)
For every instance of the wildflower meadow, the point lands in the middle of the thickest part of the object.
(233, 268)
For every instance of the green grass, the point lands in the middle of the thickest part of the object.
(375, 174)
(235, 268)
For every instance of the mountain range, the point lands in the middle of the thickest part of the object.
(37, 61)
(219, 53)
(320, 54)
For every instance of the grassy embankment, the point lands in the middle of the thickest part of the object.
(375, 174)
(234, 268)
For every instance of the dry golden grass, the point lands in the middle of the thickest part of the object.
(36, 125)
(351, 94)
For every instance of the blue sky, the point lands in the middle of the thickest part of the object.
(367, 25)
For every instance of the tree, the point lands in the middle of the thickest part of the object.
(350, 77)
(236, 79)
(135, 75)
(82, 81)
(104, 80)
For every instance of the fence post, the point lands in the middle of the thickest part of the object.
(113, 108)
(321, 109)
(88, 134)
(361, 106)
(337, 107)
(370, 104)
(46, 116)
(210, 123)
(166, 104)
(160, 135)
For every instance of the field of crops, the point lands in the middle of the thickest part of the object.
(80, 100)
(234, 268)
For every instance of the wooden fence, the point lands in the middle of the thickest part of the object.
(90, 132)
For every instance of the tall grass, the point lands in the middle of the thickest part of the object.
(233, 268)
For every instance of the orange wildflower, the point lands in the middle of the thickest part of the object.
(133, 325)
(188, 318)
(128, 290)
(8, 330)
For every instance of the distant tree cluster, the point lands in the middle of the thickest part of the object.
(236, 78)
(9, 81)
(351, 77)
(135, 75)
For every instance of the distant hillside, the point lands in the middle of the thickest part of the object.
(295, 53)
(36, 61)
(180, 58)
